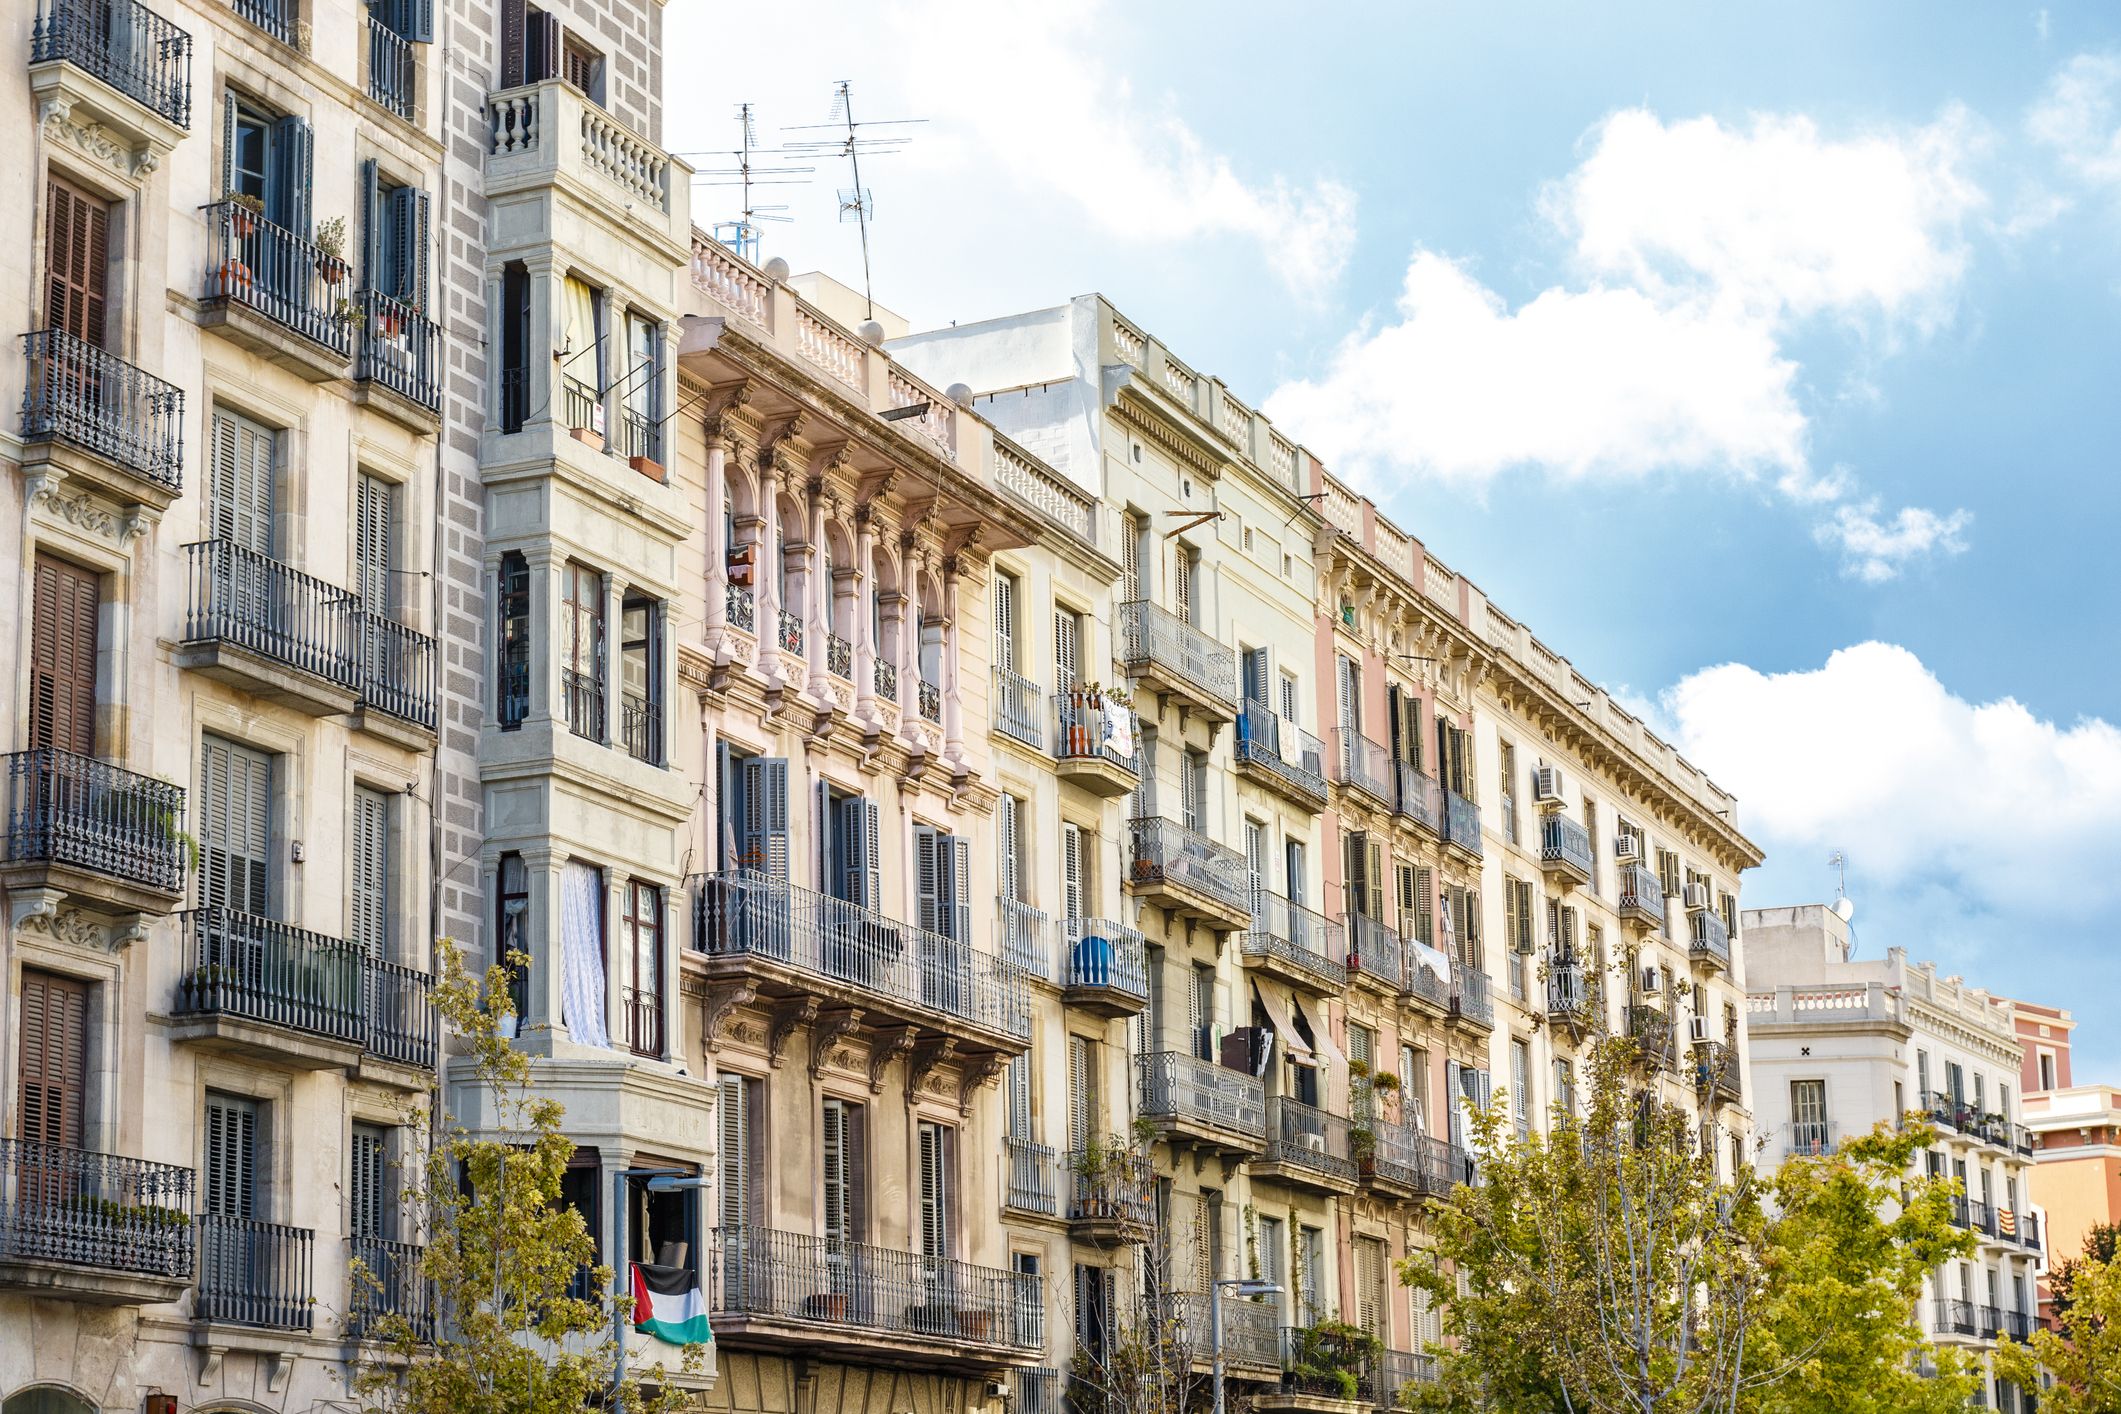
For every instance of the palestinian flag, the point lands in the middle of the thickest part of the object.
(669, 1305)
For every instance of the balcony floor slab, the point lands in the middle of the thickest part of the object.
(267, 678)
(90, 1286)
(283, 1045)
(75, 466)
(273, 341)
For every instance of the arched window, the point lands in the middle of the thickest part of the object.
(46, 1399)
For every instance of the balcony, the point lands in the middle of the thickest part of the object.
(839, 657)
(97, 419)
(111, 840)
(1362, 764)
(792, 1291)
(1041, 1391)
(1306, 1145)
(1302, 948)
(1383, 1378)
(1712, 941)
(1565, 849)
(641, 728)
(254, 1274)
(1276, 753)
(1032, 1171)
(1095, 743)
(1026, 935)
(885, 681)
(1810, 1138)
(1568, 996)
(400, 357)
(393, 78)
(1471, 1000)
(1111, 1196)
(1176, 659)
(1716, 1073)
(1188, 1098)
(793, 944)
(2021, 1228)
(1251, 1331)
(264, 988)
(1641, 895)
(116, 70)
(1424, 979)
(1418, 798)
(1016, 700)
(1107, 972)
(97, 1228)
(549, 135)
(930, 702)
(1656, 1044)
(1957, 1318)
(276, 293)
(385, 1286)
(394, 670)
(1461, 824)
(1375, 953)
(1404, 1162)
(1187, 874)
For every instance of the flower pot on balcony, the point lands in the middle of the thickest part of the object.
(648, 467)
(242, 223)
(233, 277)
(589, 438)
(331, 269)
(826, 1306)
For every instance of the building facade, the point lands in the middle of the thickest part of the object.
(1840, 1046)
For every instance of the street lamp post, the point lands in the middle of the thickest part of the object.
(659, 1181)
(1238, 1286)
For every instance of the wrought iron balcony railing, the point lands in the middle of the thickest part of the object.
(1418, 979)
(1568, 993)
(1251, 1330)
(1033, 1169)
(1565, 844)
(78, 394)
(640, 435)
(931, 702)
(281, 275)
(401, 1023)
(254, 1273)
(123, 43)
(252, 601)
(1089, 727)
(886, 681)
(1111, 1185)
(1164, 851)
(839, 656)
(1154, 637)
(641, 727)
(1108, 955)
(791, 639)
(396, 667)
(1041, 1391)
(746, 913)
(391, 75)
(1641, 893)
(584, 693)
(1362, 764)
(1308, 1137)
(1716, 1069)
(78, 811)
(1811, 1138)
(84, 1209)
(1295, 934)
(1383, 1377)
(385, 1282)
(1374, 950)
(741, 607)
(1471, 997)
(1027, 938)
(275, 17)
(1712, 940)
(1461, 822)
(1016, 707)
(401, 349)
(1418, 797)
(1404, 1155)
(258, 969)
(793, 1276)
(1271, 741)
(1651, 1030)
(1181, 1087)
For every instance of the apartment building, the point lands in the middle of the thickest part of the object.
(1839, 1045)
(222, 691)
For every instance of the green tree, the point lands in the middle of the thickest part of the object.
(2082, 1350)
(514, 1333)
(2100, 1246)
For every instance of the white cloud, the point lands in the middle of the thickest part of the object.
(2080, 117)
(1877, 550)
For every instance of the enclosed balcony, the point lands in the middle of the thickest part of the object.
(100, 421)
(1363, 765)
(255, 1274)
(1641, 895)
(1376, 953)
(550, 135)
(99, 1228)
(1656, 1043)
(794, 944)
(111, 840)
(277, 293)
(1172, 657)
(1198, 1101)
(1716, 1074)
(1111, 1195)
(1418, 797)
(1461, 818)
(115, 69)
(1107, 972)
(792, 1291)
(1187, 874)
(1472, 1002)
(1308, 1146)
(400, 356)
(1276, 753)
(1303, 948)
(1712, 941)
(1095, 743)
(1565, 849)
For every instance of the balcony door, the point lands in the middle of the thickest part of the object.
(229, 1257)
(66, 603)
(76, 263)
(235, 828)
(368, 870)
(937, 1158)
(843, 1160)
(52, 1059)
(239, 513)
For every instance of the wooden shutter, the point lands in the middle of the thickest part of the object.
(1005, 621)
(1007, 810)
(1020, 1096)
(765, 826)
(1453, 1093)
(927, 878)
(861, 871)
(66, 602)
(514, 43)
(416, 20)
(1067, 649)
(1374, 878)
(1130, 559)
(1075, 873)
(832, 1159)
(1358, 864)
(367, 1178)
(1369, 1285)
(1188, 588)
(542, 50)
(1348, 684)
(369, 865)
(1425, 904)
(1410, 727)
(1256, 670)
(240, 482)
(373, 552)
(53, 1058)
(954, 875)
(733, 1152)
(935, 1192)
(76, 261)
(405, 223)
(235, 827)
(1085, 1113)
(228, 1178)
(287, 199)
(373, 261)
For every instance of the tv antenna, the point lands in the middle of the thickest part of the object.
(1839, 863)
(857, 203)
(742, 234)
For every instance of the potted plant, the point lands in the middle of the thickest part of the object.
(1329, 1357)
(331, 251)
(347, 312)
(244, 212)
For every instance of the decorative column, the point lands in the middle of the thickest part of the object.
(541, 939)
(909, 639)
(953, 713)
(667, 983)
(548, 623)
(818, 611)
(766, 563)
(608, 670)
(864, 666)
(616, 944)
(715, 615)
(545, 286)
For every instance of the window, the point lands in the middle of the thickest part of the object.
(1007, 594)
(1085, 1113)
(52, 1059)
(514, 363)
(1076, 892)
(1564, 1088)
(641, 941)
(1417, 909)
(942, 873)
(580, 369)
(1370, 1288)
(1095, 1311)
(239, 492)
(1521, 1086)
(514, 687)
(2047, 1070)
(583, 68)
(1315, 1304)
(1347, 679)
(76, 262)
(375, 558)
(369, 871)
(1509, 792)
(641, 391)
(1256, 863)
(1364, 867)
(1808, 1129)
(228, 1179)
(267, 158)
(582, 648)
(530, 44)
(1194, 791)
(736, 1153)
(1362, 1051)
(1135, 557)
(235, 828)
(1067, 648)
(1188, 585)
(1019, 1081)
(1590, 825)
(66, 606)
(1296, 870)
(394, 225)
(371, 1212)
(1256, 675)
(1273, 1250)
(1403, 714)
(937, 1165)
(1029, 1308)
(1414, 1086)
(511, 926)
(1291, 699)
(641, 679)
(844, 1168)
(1201, 1012)
(1008, 841)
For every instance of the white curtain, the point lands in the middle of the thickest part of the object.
(582, 954)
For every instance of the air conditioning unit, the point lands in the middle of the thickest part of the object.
(1698, 1029)
(1697, 897)
(1652, 979)
(1546, 785)
(1626, 848)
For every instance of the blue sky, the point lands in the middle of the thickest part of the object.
(1761, 359)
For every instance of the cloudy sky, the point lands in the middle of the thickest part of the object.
(1765, 360)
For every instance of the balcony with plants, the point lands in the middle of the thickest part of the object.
(114, 68)
(99, 1228)
(1111, 1192)
(111, 840)
(276, 291)
(1716, 1072)
(1274, 752)
(1096, 740)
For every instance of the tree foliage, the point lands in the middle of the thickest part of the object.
(1141, 1360)
(518, 1330)
(2081, 1352)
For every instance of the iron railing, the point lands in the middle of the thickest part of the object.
(1088, 727)
(1655, 1038)
(83, 1209)
(79, 394)
(275, 17)
(1471, 998)
(75, 810)
(1039, 1391)
(282, 275)
(746, 913)
(791, 639)
(585, 702)
(1811, 1138)
(401, 1025)
(1106, 955)
(641, 727)
(1269, 740)
(240, 597)
(391, 75)
(829, 1281)
(254, 1273)
(580, 404)
(514, 398)
(1296, 935)
(1568, 996)
(401, 349)
(1716, 1069)
(1178, 1086)
(1957, 1318)
(885, 680)
(123, 43)
(2024, 1228)
(1027, 938)
(839, 656)
(1164, 851)
(1461, 819)
(1154, 637)
(514, 691)
(1417, 979)
(1111, 1185)
(385, 1282)
(640, 434)
(1404, 1155)
(397, 667)
(641, 1017)
(1641, 893)
(1016, 700)
(1565, 842)
(740, 607)
(1308, 1137)
(1374, 950)
(237, 964)
(1251, 1329)
(1362, 764)
(1418, 797)
(931, 702)
(1712, 939)
(1032, 1170)
(1385, 1375)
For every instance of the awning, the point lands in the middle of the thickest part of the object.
(1284, 1027)
(1328, 1054)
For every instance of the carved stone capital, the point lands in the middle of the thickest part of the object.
(827, 1031)
(721, 1006)
(888, 1047)
(787, 1017)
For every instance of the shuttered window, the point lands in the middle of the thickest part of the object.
(76, 261)
(368, 1206)
(1188, 586)
(1084, 1111)
(369, 868)
(765, 816)
(1195, 791)
(235, 827)
(942, 876)
(374, 554)
(514, 686)
(641, 941)
(530, 43)
(1008, 824)
(1019, 1081)
(66, 602)
(1347, 680)
(52, 1059)
(1075, 872)
(1095, 1323)
(857, 869)
(395, 233)
(1256, 675)
(1133, 561)
(733, 1152)
(1005, 596)
(1289, 699)
(1256, 860)
(239, 482)
(1067, 648)
(936, 1144)
(1370, 1286)
(843, 1160)
(269, 158)
(228, 1183)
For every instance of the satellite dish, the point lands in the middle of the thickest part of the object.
(1844, 908)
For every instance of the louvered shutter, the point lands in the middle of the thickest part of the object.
(927, 878)
(1454, 1091)
(76, 262)
(1020, 1096)
(1005, 621)
(1075, 874)
(934, 1192)
(765, 840)
(1425, 904)
(1006, 812)
(1130, 560)
(1288, 700)
(240, 484)
(1374, 878)
(1079, 1103)
(66, 602)
(229, 1182)
(1067, 651)
(230, 124)
(1256, 675)
(1142, 804)
(406, 232)
(833, 1159)
(373, 260)
(954, 859)
(416, 21)
(366, 1179)
(1369, 1285)
(1469, 927)
(514, 43)
(861, 870)
(733, 1153)
(542, 49)
(287, 202)
(1358, 864)
(370, 868)
(373, 555)
(53, 1058)
(1348, 686)
(1195, 788)
(235, 833)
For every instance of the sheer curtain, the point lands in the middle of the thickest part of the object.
(582, 953)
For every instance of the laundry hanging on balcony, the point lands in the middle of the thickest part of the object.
(582, 954)
(1432, 960)
(1119, 732)
(669, 1305)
